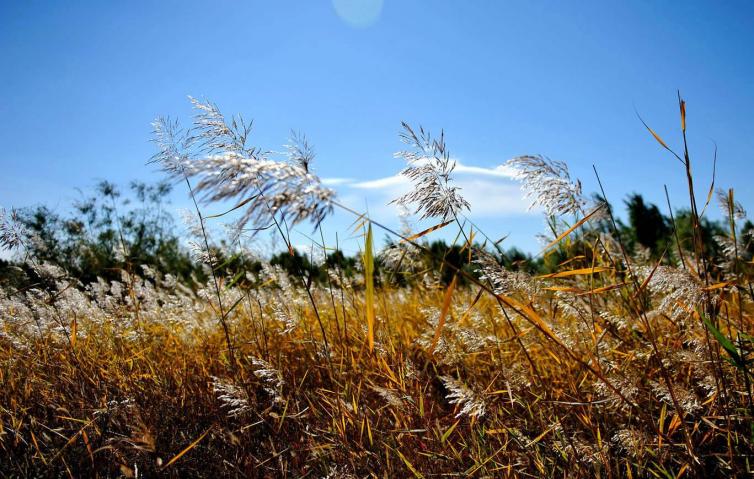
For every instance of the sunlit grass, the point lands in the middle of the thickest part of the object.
(612, 365)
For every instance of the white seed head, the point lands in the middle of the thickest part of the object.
(548, 184)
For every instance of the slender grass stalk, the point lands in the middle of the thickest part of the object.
(368, 259)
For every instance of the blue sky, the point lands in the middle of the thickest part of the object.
(83, 80)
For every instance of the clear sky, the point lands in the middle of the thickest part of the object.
(81, 82)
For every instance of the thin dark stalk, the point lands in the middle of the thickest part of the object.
(675, 229)
(304, 281)
(222, 318)
(329, 284)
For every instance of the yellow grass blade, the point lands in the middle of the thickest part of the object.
(718, 285)
(572, 228)
(468, 246)
(602, 289)
(417, 474)
(530, 315)
(428, 231)
(657, 137)
(567, 289)
(572, 259)
(539, 438)
(443, 313)
(359, 222)
(447, 433)
(369, 284)
(187, 449)
(36, 446)
(473, 303)
(574, 272)
(471, 472)
(72, 438)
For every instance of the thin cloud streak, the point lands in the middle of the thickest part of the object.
(501, 171)
(492, 192)
(336, 181)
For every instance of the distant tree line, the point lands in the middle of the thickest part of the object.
(106, 234)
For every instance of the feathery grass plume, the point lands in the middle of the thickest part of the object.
(231, 397)
(630, 441)
(12, 232)
(610, 397)
(283, 314)
(502, 280)
(299, 151)
(271, 377)
(678, 290)
(732, 244)
(457, 340)
(548, 184)
(400, 256)
(429, 169)
(391, 397)
(337, 473)
(624, 385)
(445, 349)
(727, 207)
(688, 401)
(216, 153)
(471, 403)
(731, 249)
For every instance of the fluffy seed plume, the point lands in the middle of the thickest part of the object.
(679, 291)
(471, 403)
(548, 184)
(271, 377)
(502, 280)
(215, 153)
(429, 169)
(11, 230)
(231, 397)
(727, 206)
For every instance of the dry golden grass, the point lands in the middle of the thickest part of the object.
(612, 366)
(131, 393)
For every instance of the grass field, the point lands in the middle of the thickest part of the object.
(616, 363)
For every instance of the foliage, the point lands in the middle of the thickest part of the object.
(106, 233)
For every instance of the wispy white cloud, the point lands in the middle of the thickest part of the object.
(336, 181)
(501, 171)
(493, 198)
(492, 192)
(462, 170)
(387, 182)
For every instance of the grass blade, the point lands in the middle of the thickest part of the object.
(427, 231)
(369, 285)
(186, 449)
(574, 272)
(572, 228)
(443, 313)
